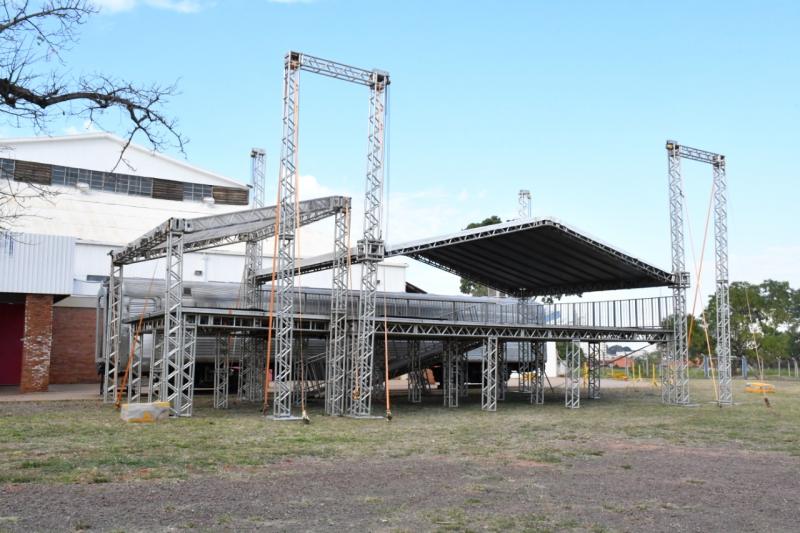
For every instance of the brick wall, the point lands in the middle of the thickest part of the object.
(36, 343)
(72, 356)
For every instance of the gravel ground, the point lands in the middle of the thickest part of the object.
(618, 487)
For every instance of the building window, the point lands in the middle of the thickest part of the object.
(130, 185)
(195, 192)
(7, 168)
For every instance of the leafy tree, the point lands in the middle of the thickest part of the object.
(766, 316)
(469, 286)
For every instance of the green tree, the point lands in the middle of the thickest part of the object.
(764, 316)
(469, 286)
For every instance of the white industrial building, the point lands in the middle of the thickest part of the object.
(57, 256)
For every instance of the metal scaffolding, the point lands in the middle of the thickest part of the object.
(572, 375)
(221, 372)
(135, 373)
(172, 364)
(537, 383)
(370, 248)
(114, 321)
(452, 374)
(524, 199)
(415, 374)
(336, 361)
(489, 368)
(675, 378)
(677, 390)
(593, 364)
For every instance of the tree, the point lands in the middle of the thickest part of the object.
(469, 286)
(36, 87)
(764, 317)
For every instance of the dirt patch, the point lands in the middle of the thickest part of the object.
(624, 488)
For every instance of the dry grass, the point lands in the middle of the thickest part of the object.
(85, 442)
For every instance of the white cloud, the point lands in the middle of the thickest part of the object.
(178, 6)
(88, 126)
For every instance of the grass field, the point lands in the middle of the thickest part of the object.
(77, 444)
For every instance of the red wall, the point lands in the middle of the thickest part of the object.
(72, 358)
(12, 329)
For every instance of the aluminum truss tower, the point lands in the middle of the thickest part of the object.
(370, 247)
(221, 372)
(489, 370)
(572, 376)
(251, 376)
(336, 360)
(415, 374)
(537, 383)
(723, 286)
(675, 378)
(678, 392)
(593, 364)
(525, 362)
(524, 203)
(284, 319)
(114, 321)
(254, 247)
(452, 366)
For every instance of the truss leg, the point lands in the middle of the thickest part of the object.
(524, 349)
(723, 298)
(452, 376)
(464, 376)
(415, 375)
(135, 374)
(502, 372)
(221, 373)
(489, 370)
(284, 319)
(156, 367)
(336, 360)
(371, 247)
(186, 372)
(172, 366)
(572, 376)
(539, 350)
(525, 367)
(113, 337)
(593, 363)
(677, 382)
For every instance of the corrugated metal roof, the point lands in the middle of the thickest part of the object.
(37, 264)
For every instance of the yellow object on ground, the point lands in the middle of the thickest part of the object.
(759, 387)
(145, 412)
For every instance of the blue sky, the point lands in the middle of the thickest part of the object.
(572, 100)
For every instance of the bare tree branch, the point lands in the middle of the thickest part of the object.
(33, 92)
